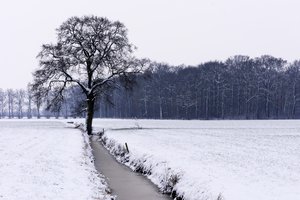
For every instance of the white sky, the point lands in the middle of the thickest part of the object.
(173, 31)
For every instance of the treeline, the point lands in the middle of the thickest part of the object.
(239, 88)
(21, 103)
(16, 103)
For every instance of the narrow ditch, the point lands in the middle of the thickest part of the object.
(123, 182)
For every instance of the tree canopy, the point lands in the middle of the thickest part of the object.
(91, 52)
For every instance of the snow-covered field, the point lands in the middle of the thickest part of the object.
(44, 160)
(230, 160)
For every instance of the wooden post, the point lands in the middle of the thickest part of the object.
(127, 149)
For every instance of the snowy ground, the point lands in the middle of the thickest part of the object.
(230, 160)
(44, 160)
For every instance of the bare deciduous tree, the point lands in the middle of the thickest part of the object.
(2, 103)
(10, 101)
(20, 97)
(91, 52)
(29, 101)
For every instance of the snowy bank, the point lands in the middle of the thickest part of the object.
(230, 160)
(157, 171)
(40, 159)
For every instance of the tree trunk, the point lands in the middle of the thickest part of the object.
(257, 102)
(232, 101)
(38, 111)
(206, 104)
(196, 108)
(223, 104)
(160, 108)
(90, 114)
(238, 102)
(294, 100)
(29, 114)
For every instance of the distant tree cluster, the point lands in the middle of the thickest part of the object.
(15, 104)
(21, 103)
(239, 88)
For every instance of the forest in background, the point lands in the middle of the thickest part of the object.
(239, 88)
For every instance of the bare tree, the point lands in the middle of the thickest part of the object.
(10, 101)
(29, 101)
(293, 80)
(2, 103)
(38, 96)
(20, 96)
(91, 52)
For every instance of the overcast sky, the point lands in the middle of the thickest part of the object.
(173, 31)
